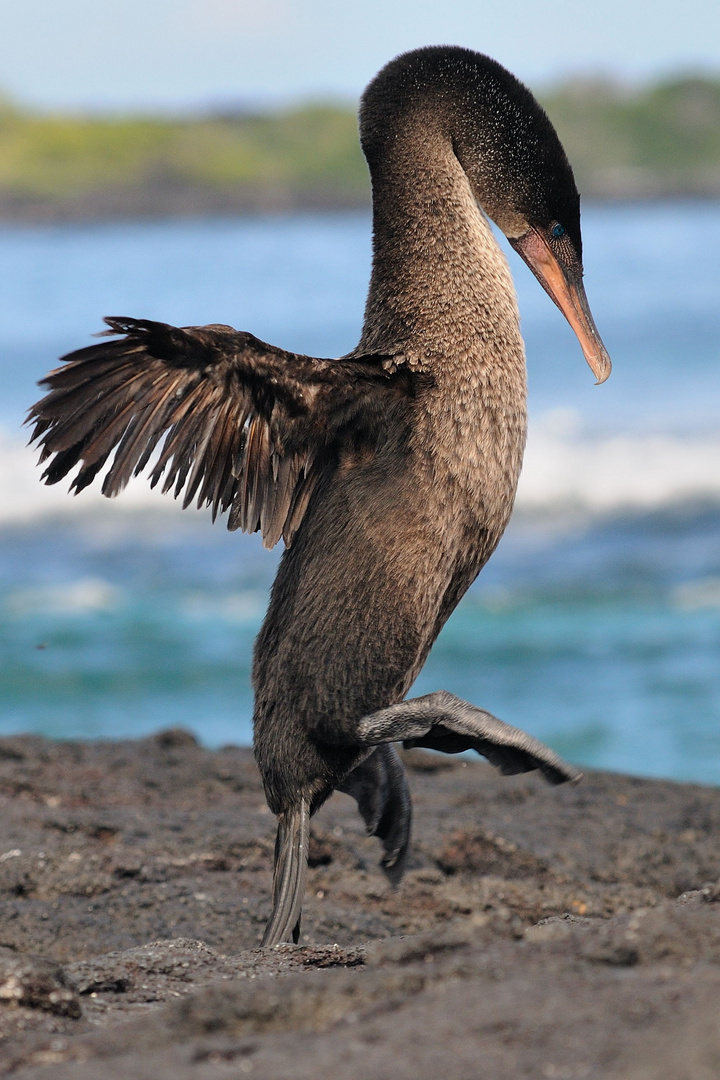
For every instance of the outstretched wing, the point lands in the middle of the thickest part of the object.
(239, 424)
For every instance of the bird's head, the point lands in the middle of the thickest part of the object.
(523, 180)
(511, 155)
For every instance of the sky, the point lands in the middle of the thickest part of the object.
(134, 55)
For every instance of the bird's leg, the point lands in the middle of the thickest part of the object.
(380, 789)
(438, 721)
(289, 874)
(441, 721)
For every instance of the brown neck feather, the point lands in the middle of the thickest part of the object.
(440, 293)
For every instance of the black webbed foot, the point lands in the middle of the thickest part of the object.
(380, 789)
(441, 721)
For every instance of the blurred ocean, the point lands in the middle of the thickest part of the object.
(596, 625)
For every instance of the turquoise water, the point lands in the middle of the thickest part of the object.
(596, 625)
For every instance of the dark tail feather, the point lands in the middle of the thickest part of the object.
(289, 874)
(380, 789)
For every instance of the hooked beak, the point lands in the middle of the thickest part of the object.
(564, 286)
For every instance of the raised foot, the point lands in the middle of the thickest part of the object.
(441, 721)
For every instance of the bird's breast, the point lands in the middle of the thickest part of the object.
(468, 440)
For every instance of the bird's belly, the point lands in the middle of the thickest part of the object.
(377, 566)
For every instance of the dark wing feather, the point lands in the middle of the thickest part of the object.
(236, 424)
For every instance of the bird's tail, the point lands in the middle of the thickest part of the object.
(289, 874)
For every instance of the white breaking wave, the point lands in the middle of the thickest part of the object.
(84, 596)
(23, 498)
(565, 467)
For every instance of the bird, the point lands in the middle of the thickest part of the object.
(389, 473)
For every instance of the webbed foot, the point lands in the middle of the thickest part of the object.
(441, 721)
(380, 789)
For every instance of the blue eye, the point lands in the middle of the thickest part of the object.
(558, 231)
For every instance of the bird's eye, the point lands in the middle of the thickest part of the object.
(557, 231)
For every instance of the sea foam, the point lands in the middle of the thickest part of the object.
(567, 466)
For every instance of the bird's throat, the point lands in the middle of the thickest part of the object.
(439, 279)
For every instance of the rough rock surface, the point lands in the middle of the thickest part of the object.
(539, 933)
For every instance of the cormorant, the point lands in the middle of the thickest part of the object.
(390, 473)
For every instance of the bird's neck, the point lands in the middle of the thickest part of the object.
(441, 294)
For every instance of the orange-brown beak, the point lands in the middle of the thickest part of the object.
(563, 283)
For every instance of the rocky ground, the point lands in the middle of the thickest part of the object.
(539, 933)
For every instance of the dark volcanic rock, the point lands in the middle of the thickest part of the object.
(539, 932)
(36, 982)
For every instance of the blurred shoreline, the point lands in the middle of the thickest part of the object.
(168, 202)
(660, 141)
(156, 203)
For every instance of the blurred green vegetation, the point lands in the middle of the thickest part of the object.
(101, 166)
(658, 141)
